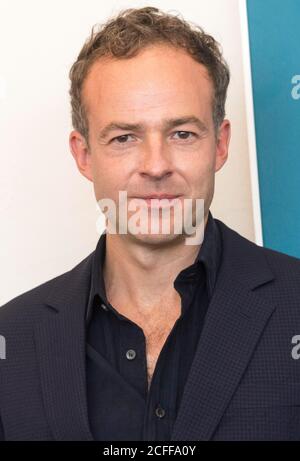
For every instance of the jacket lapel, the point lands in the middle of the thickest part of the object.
(60, 347)
(234, 323)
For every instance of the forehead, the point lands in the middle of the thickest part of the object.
(160, 79)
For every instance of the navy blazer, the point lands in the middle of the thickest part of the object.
(244, 382)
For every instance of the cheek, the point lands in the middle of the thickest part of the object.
(199, 172)
(109, 178)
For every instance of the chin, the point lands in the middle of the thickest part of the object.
(156, 239)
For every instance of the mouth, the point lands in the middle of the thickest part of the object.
(169, 197)
(158, 196)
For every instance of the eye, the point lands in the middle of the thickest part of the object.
(183, 135)
(122, 139)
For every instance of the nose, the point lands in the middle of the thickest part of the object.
(156, 161)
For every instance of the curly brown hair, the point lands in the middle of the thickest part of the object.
(134, 29)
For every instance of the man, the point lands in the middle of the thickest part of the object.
(150, 338)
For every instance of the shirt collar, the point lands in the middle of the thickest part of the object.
(209, 255)
(210, 252)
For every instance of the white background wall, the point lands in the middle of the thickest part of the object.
(47, 209)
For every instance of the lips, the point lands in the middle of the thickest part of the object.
(168, 199)
(158, 196)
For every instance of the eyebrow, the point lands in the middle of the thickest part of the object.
(167, 125)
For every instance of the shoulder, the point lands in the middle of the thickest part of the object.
(239, 240)
(285, 268)
(27, 305)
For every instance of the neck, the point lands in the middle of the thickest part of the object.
(140, 273)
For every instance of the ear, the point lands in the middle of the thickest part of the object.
(224, 134)
(81, 154)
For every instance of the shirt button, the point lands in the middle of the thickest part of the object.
(130, 354)
(160, 412)
(104, 307)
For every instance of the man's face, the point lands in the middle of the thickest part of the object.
(151, 129)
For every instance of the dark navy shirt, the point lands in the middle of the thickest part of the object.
(120, 406)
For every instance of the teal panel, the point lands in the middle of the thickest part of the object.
(274, 35)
